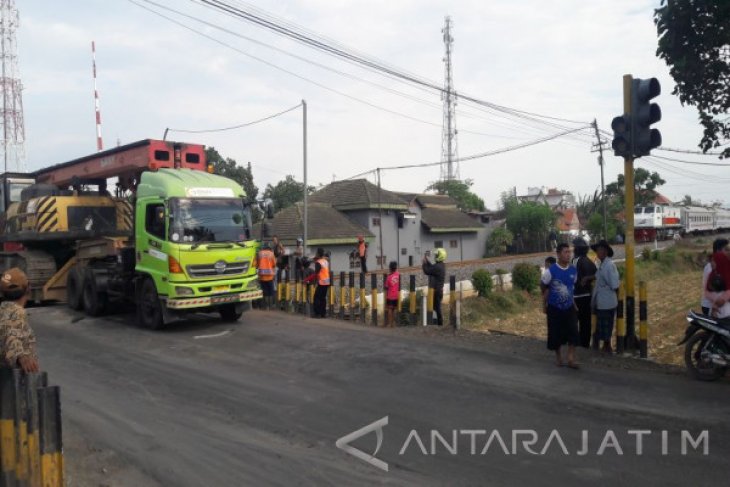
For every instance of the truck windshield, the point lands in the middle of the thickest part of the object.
(209, 220)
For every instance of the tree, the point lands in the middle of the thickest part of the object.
(498, 241)
(693, 40)
(530, 223)
(587, 205)
(645, 184)
(229, 168)
(594, 226)
(286, 192)
(459, 191)
(688, 201)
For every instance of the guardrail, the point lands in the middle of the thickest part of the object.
(31, 447)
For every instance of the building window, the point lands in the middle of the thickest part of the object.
(381, 259)
(376, 221)
(438, 244)
(404, 251)
(453, 244)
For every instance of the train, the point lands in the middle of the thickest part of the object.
(661, 222)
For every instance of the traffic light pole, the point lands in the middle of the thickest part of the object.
(629, 240)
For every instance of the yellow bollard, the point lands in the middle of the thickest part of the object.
(643, 325)
(429, 309)
(343, 295)
(620, 323)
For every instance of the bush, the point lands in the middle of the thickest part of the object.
(482, 281)
(526, 276)
(645, 253)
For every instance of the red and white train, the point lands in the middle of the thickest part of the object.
(663, 222)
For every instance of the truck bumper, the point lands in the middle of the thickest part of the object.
(208, 301)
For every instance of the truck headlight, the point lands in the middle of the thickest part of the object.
(184, 291)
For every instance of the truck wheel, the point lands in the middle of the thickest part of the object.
(74, 290)
(94, 301)
(149, 309)
(228, 312)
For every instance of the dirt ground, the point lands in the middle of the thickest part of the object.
(669, 298)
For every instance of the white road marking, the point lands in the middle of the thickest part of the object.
(215, 335)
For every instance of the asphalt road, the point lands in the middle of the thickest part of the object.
(264, 402)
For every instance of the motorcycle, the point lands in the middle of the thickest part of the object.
(706, 346)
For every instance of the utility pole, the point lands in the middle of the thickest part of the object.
(380, 219)
(603, 186)
(304, 149)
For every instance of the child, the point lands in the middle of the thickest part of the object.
(392, 288)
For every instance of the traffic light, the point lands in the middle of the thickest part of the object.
(643, 114)
(621, 144)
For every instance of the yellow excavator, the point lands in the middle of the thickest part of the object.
(45, 214)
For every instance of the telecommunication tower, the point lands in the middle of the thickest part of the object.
(449, 150)
(13, 129)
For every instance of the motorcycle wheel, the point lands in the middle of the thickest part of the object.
(699, 369)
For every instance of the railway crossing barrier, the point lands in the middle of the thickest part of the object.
(31, 447)
(363, 300)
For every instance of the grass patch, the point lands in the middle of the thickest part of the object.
(673, 278)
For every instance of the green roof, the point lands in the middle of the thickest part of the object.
(187, 183)
(358, 194)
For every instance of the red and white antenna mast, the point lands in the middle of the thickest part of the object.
(99, 143)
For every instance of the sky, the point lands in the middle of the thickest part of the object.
(563, 59)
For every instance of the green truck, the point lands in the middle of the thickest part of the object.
(191, 250)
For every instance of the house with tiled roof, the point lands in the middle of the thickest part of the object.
(396, 226)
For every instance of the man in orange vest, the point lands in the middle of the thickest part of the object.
(362, 251)
(322, 271)
(266, 264)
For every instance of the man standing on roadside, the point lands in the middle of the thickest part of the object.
(436, 277)
(17, 340)
(362, 252)
(559, 305)
(586, 275)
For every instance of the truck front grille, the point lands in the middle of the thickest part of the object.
(219, 268)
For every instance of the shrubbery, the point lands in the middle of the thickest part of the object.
(482, 282)
(526, 276)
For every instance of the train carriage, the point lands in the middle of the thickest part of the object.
(696, 219)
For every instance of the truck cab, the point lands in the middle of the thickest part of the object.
(190, 251)
(193, 243)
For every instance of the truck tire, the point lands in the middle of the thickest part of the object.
(228, 313)
(94, 301)
(149, 308)
(75, 290)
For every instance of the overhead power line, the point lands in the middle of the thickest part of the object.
(297, 35)
(233, 127)
(473, 156)
(716, 164)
